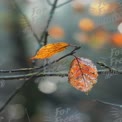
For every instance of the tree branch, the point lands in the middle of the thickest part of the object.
(49, 20)
(107, 103)
(14, 94)
(40, 74)
(48, 1)
(60, 5)
(37, 75)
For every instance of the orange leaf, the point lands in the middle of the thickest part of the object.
(83, 74)
(50, 49)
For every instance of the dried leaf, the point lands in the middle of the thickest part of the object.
(50, 50)
(83, 74)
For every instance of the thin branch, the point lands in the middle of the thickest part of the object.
(107, 103)
(60, 5)
(40, 67)
(18, 8)
(49, 20)
(26, 111)
(37, 75)
(40, 74)
(102, 64)
(48, 1)
(14, 94)
(46, 38)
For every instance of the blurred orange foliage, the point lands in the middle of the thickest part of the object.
(81, 37)
(56, 32)
(117, 39)
(77, 6)
(86, 24)
(98, 39)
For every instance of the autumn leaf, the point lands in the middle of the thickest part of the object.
(50, 49)
(83, 74)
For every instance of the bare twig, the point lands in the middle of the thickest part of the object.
(49, 20)
(26, 111)
(40, 74)
(111, 69)
(60, 5)
(107, 103)
(35, 75)
(14, 94)
(48, 1)
(46, 38)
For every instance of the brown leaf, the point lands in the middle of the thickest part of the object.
(83, 74)
(50, 49)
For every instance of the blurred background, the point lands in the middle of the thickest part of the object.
(95, 25)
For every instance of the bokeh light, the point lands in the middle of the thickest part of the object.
(120, 27)
(82, 38)
(86, 24)
(117, 39)
(77, 6)
(99, 38)
(47, 87)
(99, 8)
(16, 111)
(56, 32)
